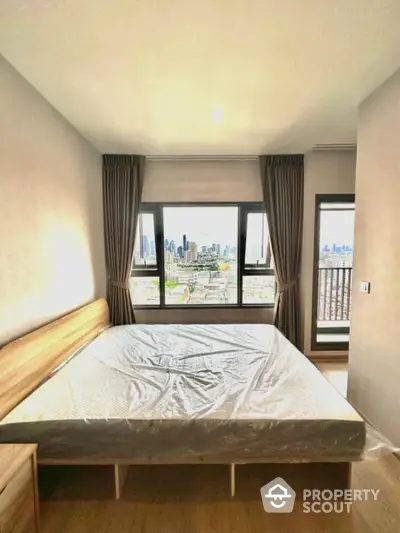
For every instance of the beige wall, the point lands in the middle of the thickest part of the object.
(374, 374)
(325, 172)
(51, 234)
(203, 181)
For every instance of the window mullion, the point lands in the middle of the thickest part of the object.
(258, 272)
(144, 273)
(160, 252)
(242, 231)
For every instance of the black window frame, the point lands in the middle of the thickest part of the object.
(158, 270)
(315, 345)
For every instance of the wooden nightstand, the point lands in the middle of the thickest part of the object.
(19, 499)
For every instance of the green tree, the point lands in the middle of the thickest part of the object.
(170, 284)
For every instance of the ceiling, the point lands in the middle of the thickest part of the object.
(194, 77)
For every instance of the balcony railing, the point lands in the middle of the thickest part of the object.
(334, 294)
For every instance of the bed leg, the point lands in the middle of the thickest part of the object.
(349, 465)
(233, 480)
(120, 472)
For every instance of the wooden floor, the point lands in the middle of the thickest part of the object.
(195, 499)
(336, 373)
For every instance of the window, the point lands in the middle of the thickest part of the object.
(202, 255)
(145, 280)
(258, 285)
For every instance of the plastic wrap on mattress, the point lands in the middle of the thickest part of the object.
(188, 393)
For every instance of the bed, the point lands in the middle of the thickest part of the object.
(166, 394)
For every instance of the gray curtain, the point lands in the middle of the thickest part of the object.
(282, 178)
(122, 193)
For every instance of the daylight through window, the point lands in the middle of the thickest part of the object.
(202, 255)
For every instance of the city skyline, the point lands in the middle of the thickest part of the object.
(336, 229)
(179, 250)
(149, 246)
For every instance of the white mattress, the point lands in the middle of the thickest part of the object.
(158, 392)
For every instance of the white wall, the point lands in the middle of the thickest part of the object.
(325, 172)
(51, 231)
(374, 373)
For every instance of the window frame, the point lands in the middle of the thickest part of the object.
(250, 270)
(152, 271)
(320, 199)
(158, 270)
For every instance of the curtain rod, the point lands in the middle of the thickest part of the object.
(202, 157)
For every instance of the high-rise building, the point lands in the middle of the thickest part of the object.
(193, 251)
(218, 249)
(166, 242)
(204, 249)
(180, 251)
(188, 256)
(152, 248)
(172, 247)
(184, 243)
(168, 257)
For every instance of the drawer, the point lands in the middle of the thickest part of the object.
(17, 503)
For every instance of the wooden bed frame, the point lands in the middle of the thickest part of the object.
(29, 361)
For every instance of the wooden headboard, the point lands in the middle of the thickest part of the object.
(26, 362)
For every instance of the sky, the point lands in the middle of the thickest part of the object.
(208, 225)
(337, 227)
(203, 225)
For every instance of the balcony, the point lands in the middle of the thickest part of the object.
(334, 305)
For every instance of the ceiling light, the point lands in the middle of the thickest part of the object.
(216, 115)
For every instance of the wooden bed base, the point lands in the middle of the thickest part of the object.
(300, 475)
(29, 361)
(342, 478)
